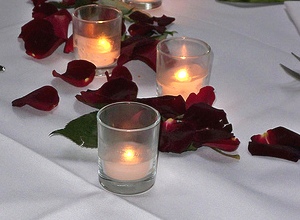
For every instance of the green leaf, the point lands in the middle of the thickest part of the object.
(235, 156)
(82, 131)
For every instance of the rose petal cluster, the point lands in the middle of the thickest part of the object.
(186, 125)
(47, 31)
(144, 35)
(278, 142)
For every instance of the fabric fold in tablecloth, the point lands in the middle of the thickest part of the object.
(31, 182)
(293, 10)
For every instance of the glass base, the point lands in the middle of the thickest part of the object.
(127, 187)
(100, 71)
(143, 4)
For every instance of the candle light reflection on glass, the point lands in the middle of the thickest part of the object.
(128, 134)
(183, 66)
(97, 35)
(127, 161)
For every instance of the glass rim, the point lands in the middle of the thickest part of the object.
(152, 125)
(184, 38)
(75, 16)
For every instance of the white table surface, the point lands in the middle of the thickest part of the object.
(44, 177)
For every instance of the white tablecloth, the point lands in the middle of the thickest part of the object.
(46, 177)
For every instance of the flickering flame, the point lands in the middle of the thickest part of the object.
(129, 155)
(182, 75)
(104, 45)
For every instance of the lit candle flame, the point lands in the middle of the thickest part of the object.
(182, 75)
(129, 155)
(104, 45)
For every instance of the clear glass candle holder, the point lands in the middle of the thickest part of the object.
(97, 35)
(128, 134)
(144, 4)
(183, 66)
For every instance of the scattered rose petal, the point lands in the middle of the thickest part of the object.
(115, 90)
(141, 17)
(228, 145)
(163, 20)
(39, 38)
(205, 95)
(139, 48)
(79, 73)
(206, 116)
(60, 22)
(175, 136)
(45, 98)
(168, 106)
(278, 142)
(69, 47)
(38, 2)
(43, 10)
(43, 36)
(119, 72)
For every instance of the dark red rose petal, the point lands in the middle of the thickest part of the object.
(115, 90)
(39, 38)
(79, 73)
(163, 20)
(274, 150)
(175, 136)
(278, 142)
(43, 10)
(141, 17)
(69, 47)
(205, 95)
(38, 2)
(139, 48)
(60, 22)
(119, 72)
(140, 29)
(45, 98)
(206, 116)
(228, 145)
(69, 2)
(168, 106)
(208, 135)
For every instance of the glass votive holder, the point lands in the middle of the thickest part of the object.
(97, 35)
(128, 135)
(144, 4)
(183, 66)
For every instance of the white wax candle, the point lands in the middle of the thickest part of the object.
(127, 161)
(182, 80)
(101, 51)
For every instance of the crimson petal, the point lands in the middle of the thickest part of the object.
(206, 116)
(278, 142)
(45, 98)
(139, 48)
(43, 10)
(168, 106)
(205, 95)
(115, 90)
(119, 72)
(141, 17)
(38, 2)
(225, 145)
(79, 73)
(163, 20)
(175, 136)
(60, 22)
(69, 47)
(39, 38)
